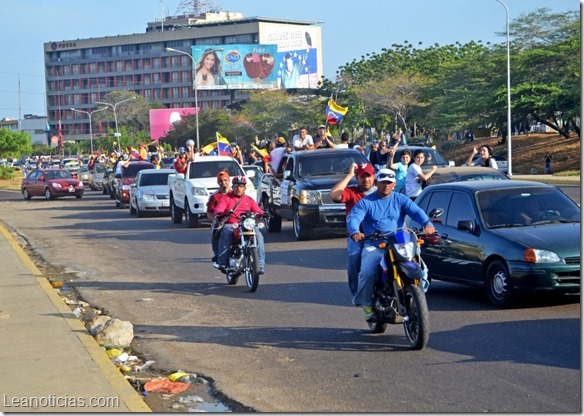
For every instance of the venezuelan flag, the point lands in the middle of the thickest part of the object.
(334, 112)
(262, 152)
(219, 147)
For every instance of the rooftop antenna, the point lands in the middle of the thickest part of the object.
(194, 7)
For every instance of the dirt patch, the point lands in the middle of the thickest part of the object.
(528, 151)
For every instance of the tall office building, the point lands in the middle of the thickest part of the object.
(253, 52)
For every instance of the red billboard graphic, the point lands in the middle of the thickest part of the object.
(161, 120)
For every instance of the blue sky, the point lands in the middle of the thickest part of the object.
(349, 29)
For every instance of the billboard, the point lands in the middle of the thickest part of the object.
(299, 54)
(236, 66)
(161, 120)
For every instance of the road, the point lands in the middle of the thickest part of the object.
(297, 344)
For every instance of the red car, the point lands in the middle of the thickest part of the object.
(125, 179)
(51, 183)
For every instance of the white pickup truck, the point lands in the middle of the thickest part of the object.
(189, 192)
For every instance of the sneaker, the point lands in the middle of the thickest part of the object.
(368, 313)
(261, 271)
(218, 266)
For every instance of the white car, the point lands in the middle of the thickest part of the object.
(149, 193)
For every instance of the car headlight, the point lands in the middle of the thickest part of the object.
(80, 184)
(308, 197)
(406, 250)
(56, 185)
(148, 197)
(198, 191)
(249, 223)
(533, 255)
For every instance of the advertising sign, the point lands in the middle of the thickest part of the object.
(161, 120)
(298, 54)
(235, 66)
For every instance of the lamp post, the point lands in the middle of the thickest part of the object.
(114, 106)
(508, 91)
(89, 113)
(194, 88)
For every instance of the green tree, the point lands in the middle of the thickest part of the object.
(14, 144)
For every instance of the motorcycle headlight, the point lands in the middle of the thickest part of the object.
(406, 250)
(532, 255)
(198, 191)
(308, 197)
(249, 223)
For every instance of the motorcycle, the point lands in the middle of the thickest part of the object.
(399, 293)
(243, 253)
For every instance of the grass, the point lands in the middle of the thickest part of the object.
(568, 173)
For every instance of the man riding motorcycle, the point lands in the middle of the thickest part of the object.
(231, 206)
(382, 211)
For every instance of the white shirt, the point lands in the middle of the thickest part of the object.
(276, 157)
(413, 183)
(343, 145)
(301, 143)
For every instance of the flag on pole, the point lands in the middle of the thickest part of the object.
(262, 152)
(60, 134)
(219, 147)
(334, 112)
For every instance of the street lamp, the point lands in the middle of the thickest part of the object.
(89, 113)
(508, 91)
(194, 88)
(117, 133)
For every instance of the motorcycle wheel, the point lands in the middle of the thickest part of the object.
(417, 326)
(252, 270)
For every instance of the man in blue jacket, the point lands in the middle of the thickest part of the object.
(382, 211)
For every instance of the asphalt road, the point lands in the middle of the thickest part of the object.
(297, 344)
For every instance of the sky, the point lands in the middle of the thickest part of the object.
(349, 29)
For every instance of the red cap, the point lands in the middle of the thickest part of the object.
(365, 168)
(222, 174)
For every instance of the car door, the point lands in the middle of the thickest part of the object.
(287, 188)
(457, 258)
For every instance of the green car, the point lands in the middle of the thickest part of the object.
(507, 236)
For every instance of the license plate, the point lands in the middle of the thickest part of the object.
(165, 203)
(71, 189)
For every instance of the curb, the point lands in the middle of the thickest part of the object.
(119, 384)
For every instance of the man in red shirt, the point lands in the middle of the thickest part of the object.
(233, 204)
(224, 187)
(350, 195)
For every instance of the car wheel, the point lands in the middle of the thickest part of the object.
(132, 209)
(139, 213)
(48, 195)
(78, 196)
(175, 212)
(498, 284)
(273, 222)
(25, 194)
(192, 220)
(302, 231)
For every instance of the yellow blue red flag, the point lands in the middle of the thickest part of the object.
(219, 147)
(262, 152)
(334, 112)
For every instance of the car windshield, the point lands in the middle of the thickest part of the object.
(154, 179)
(518, 207)
(99, 168)
(132, 170)
(327, 164)
(431, 157)
(209, 169)
(58, 174)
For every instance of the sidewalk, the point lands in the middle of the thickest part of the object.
(48, 360)
(571, 180)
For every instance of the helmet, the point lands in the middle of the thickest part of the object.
(239, 180)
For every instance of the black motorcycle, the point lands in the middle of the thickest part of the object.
(243, 253)
(398, 296)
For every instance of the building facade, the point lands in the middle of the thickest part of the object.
(32, 124)
(79, 73)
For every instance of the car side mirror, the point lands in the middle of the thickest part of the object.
(451, 163)
(466, 225)
(436, 212)
(41, 178)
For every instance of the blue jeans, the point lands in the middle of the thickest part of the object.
(370, 258)
(353, 263)
(225, 243)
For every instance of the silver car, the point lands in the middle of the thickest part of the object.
(150, 193)
(96, 177)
